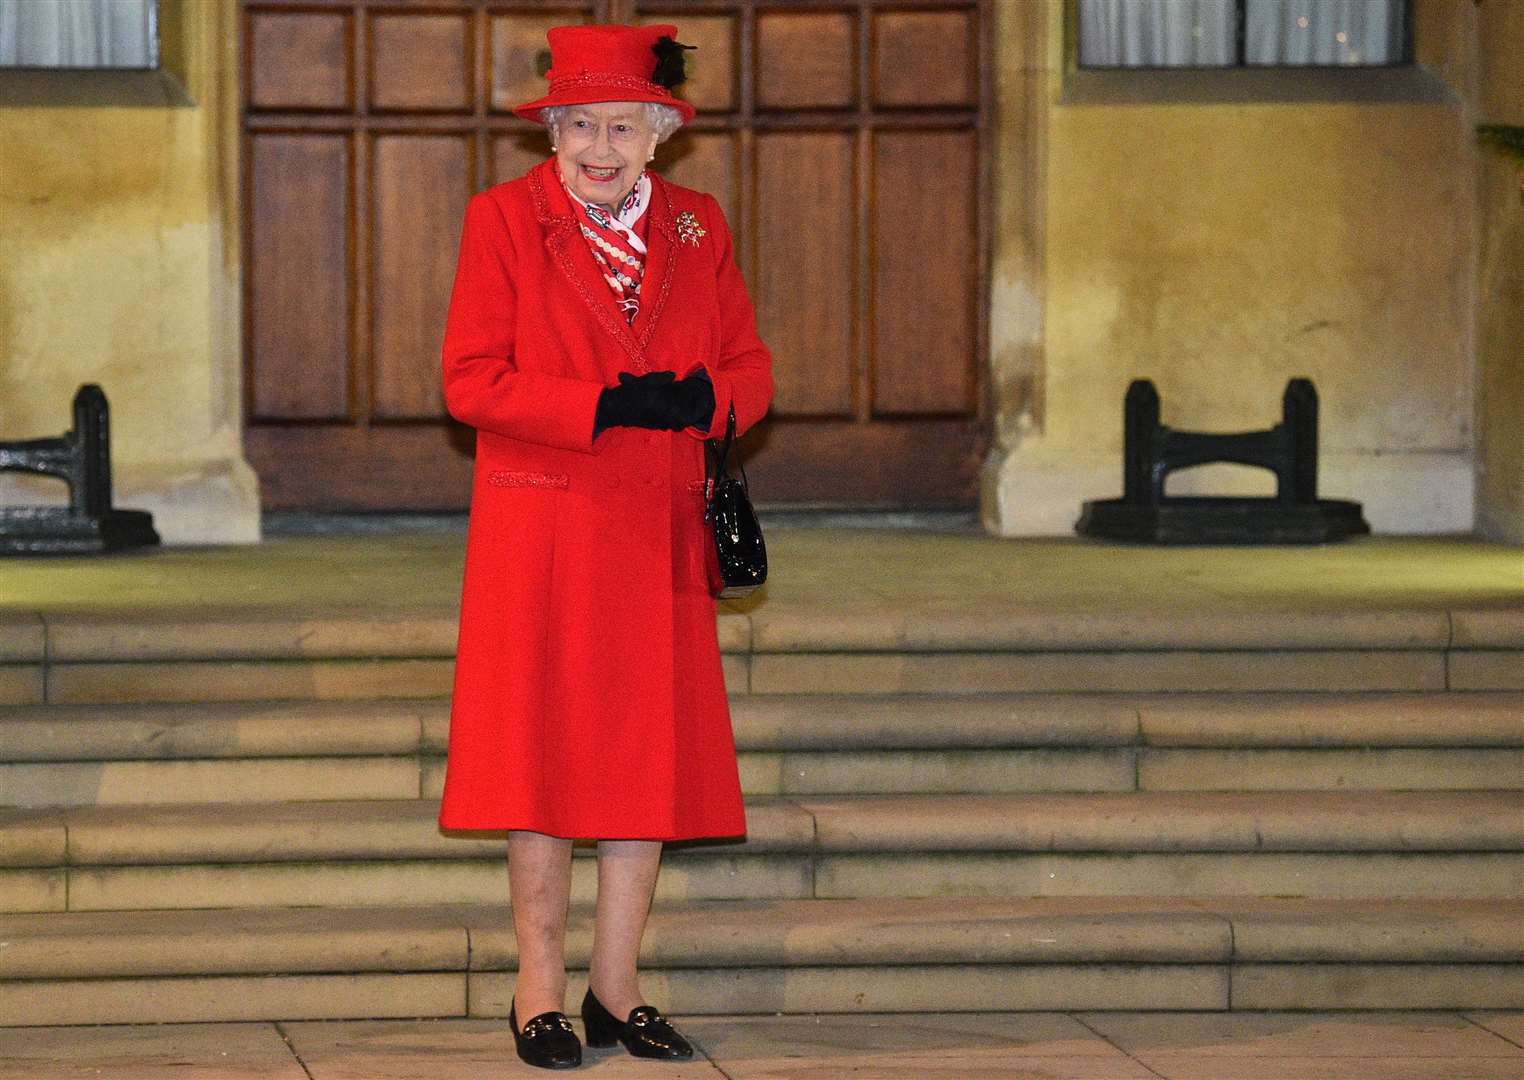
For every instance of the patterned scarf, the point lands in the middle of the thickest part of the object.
(616, 242)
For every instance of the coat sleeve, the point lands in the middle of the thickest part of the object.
(742, 373)
(483, 385)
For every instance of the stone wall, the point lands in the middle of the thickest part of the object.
(1218, 245)
(119, 224)
(1220, 233)
(1500, 282)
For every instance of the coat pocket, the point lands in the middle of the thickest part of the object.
(520, 479)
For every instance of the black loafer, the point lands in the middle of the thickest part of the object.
(547, 1041)
(645, 1034)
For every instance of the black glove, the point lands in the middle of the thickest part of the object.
(655, 400)
(695, 399)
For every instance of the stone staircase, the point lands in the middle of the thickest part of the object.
(232, 817)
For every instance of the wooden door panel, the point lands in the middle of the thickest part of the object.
(421, 63)
(298, 278)
(711, 68)
(846, 141)
(515, 153)
(806, 286)
(806, 60)
(843, 462)
(375, 467)
(416, 240)
(706, 161)
(925, 58)
(520, 54)
(300, 60)
(925, 246)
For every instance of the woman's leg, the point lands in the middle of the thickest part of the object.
(626, 880)
(539, 888)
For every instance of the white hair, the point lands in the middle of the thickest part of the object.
(663, 119)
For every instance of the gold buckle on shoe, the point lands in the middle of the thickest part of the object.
(646, 1014)
(531, 1028)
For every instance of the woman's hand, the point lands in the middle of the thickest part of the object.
(657, 400)
(695, 396)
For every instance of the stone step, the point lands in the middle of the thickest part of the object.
(166, 655)
(1332, 844)
(994, 771)
(755, 956)
(856, 624)
(807, 673)
(259, 752)
(868, 624)
(1186, 671)
(213, 729)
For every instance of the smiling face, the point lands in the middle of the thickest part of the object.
(602, 148)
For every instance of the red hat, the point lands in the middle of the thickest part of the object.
(612, 63)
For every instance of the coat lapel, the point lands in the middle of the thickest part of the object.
(661, 243)
(563, 239)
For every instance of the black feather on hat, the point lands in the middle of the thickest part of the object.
(669, 62)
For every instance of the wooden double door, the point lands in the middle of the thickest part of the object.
(847, 142)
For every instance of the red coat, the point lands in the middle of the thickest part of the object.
(588, 698)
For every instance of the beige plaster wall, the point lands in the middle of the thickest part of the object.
(1500, 282)
(118, 227)
(1220, 247)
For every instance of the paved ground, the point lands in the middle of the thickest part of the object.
(1008, 1046)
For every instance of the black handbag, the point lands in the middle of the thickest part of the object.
(727, 508)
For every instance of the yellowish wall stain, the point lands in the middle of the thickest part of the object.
(1221, 245)
(1218, 249)
(1500, 283)
(106, 224)
(1221, 250)
(118, 228)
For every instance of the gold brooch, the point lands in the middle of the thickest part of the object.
(688, 228)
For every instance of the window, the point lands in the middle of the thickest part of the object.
(1243, 33)
(88, 34)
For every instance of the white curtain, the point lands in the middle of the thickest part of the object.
(1204, 33)
(1323, 32)
(1158, 33)
(79, 33)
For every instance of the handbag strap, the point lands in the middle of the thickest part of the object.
(731, 440)
(722, 446)
(721, 463)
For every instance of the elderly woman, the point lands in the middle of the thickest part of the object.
(599, 331)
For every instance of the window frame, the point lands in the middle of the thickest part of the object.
(1240, 46)
(156, 60)
(165, 86)
(1410, 82)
